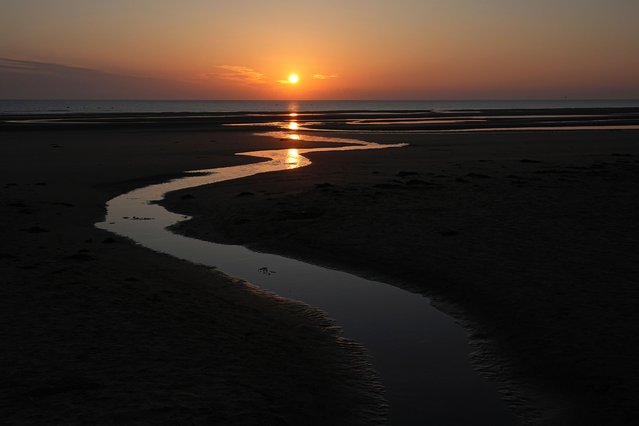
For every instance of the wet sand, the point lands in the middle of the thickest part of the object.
(97, 330)
(528, 238)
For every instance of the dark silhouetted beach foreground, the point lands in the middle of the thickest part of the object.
(97, 330)
(528, 238)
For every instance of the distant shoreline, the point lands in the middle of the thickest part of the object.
(62, 106)
(346, 121)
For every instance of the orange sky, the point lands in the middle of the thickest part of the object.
(358, 49)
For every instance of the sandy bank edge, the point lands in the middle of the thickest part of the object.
(64, 247)
(534, 402)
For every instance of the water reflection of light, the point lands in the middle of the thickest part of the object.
(293, 107)
(293, 125)
(292, 158)
(293, 114)
(294, 136)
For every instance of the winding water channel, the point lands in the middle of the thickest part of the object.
(421, 354)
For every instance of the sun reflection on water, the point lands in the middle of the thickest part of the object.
(294, 136)
(292, 125)
(292, 158)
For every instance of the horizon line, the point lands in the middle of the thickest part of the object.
(316, 100)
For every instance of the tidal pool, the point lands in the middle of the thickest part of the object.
(421, 354)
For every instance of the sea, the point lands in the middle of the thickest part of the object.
(221, 106)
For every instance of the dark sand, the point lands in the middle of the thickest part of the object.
(528, 238)
(97, 330)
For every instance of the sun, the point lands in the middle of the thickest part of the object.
(293, 78)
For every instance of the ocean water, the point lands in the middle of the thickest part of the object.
(157, 106)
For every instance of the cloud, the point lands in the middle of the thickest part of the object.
(239, 74)
(20, 79)
(315, 76)
(324, 76)
(31, 67)
(14, 65)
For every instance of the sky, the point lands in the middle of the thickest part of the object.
(348, 49)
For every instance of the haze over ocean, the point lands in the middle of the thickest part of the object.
(174, 106)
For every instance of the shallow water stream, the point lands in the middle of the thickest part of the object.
(420, 353)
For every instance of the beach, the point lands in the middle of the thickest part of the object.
(98, 330)
(528, 239)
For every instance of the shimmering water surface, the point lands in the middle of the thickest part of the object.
(30, 106)
(421, 354)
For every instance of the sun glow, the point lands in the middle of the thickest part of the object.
(293, 78)
(293, 125)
